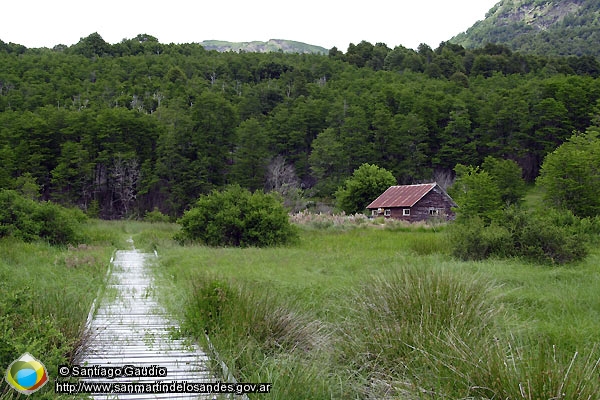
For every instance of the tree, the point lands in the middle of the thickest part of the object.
(366, 183)
(359, 54)
(125, 173)
(27, 186)
(251, 155)
(281, 178)
(328, 160)
(236, 217)
(380, 52)
(570, 175)
(409, 143)
(72, 177)
(476, 194)
(354, 134)
(280, 175)
(93, 45)
(198, 120)
(457, 144)
(552, 125)
(214, 120)
(336, 54)
(508, 178)
(394, 60)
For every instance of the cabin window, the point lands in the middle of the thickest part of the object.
(374, 213)
(406, 211)
(434, 211)
(387, 212)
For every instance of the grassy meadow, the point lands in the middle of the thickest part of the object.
(370, 312)
(45, 296)
(360, 311)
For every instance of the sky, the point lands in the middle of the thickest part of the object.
(326, 23)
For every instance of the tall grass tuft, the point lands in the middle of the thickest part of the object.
(403, 318)
(533, 368)
(442, 334)
(240, 309)
(262, 336)
(525, 367)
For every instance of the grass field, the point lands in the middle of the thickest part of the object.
(345, 313)
(45, 296)
(376, 313)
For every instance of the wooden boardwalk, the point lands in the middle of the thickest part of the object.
(131, 328)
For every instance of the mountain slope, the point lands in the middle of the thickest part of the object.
(549, 27)
(287, 46)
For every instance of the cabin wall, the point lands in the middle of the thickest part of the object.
(397, 213)
(432, 200)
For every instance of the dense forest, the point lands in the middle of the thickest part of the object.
(120, 129)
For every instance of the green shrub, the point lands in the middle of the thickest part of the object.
(55, 224)
(236, 217)
(508, 177)
(29, 220)
(473, 240)
(554, 237)
(155, 216)
(590, 227)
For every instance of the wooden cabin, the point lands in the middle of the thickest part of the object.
(414, 203)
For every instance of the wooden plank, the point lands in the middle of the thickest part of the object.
(132, 328)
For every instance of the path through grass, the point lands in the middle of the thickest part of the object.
(359, 313)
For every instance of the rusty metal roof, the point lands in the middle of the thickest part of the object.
(402, 196)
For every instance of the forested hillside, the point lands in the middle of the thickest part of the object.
(548, 27)
(121, 129)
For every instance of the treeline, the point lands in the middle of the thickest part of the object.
(122, 129)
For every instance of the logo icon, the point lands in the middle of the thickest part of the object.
(26, 374)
